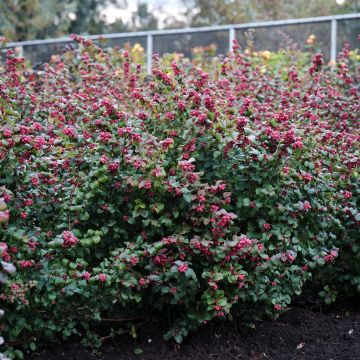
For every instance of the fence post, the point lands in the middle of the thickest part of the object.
(231, 38)
(149, 52)
(333, 48)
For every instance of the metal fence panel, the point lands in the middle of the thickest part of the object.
(331, 32)
(183, 43)
(348, 32)
(280, 37)
(42, 53)
(121, 42)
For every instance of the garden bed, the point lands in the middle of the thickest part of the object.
(191, 195)
(301, 333)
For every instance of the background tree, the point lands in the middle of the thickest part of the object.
(31, 19)
(216, 12)
(143, 19)
(38, 19)
(88, 15)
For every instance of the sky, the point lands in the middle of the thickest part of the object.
(161, 8)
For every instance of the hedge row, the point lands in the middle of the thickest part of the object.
(185, 195)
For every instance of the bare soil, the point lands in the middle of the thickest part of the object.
(302, 333)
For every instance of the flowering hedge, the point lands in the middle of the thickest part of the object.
(186, 195)
(6, 268)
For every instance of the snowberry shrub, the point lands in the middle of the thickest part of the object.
(187, 195)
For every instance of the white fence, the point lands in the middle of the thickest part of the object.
(225, 34)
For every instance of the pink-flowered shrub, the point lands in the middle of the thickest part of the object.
(187, 194)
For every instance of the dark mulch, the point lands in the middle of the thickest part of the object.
(299, 334)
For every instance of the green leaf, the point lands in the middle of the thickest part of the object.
(221, 302)
(19, 354)
(178, 338)
(85, 216)
(246, 202)
(138, 351)
(218, 276)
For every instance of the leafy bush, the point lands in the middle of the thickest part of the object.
(6, 267)
(186, 196)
